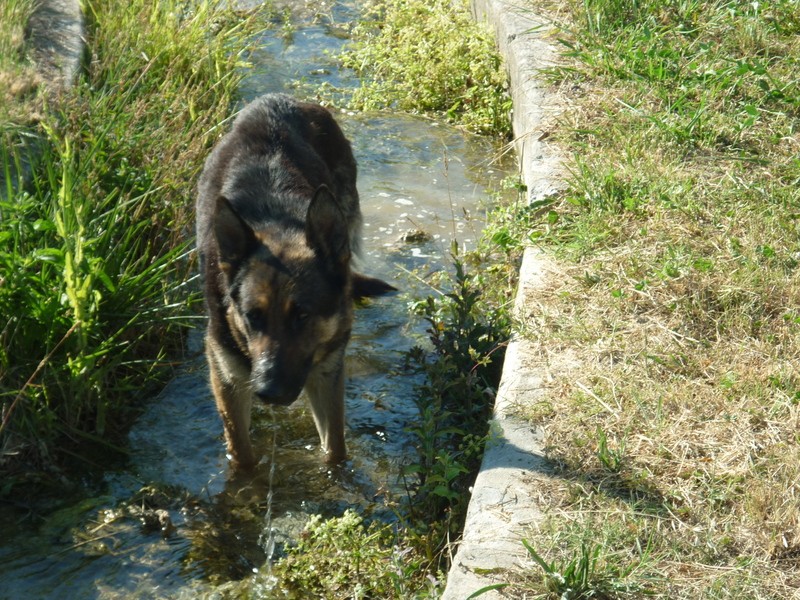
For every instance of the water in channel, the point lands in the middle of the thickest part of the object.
(174, 522)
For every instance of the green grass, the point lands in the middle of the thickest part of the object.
(675, 439)
(345, 557)
(95, 240)
(408, 59)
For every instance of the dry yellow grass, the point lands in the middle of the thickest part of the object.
(675, 437)
(18, 78)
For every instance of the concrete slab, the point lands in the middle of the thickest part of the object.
(56, 35)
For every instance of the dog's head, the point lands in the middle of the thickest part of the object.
(290, 292)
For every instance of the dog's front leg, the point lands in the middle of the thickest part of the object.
(325, 389)
(234, 401)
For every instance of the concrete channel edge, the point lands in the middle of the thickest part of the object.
(505, 500)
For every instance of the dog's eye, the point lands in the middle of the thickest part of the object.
(299, 316)
(255, 319)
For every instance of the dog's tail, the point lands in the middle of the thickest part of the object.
(365, 286)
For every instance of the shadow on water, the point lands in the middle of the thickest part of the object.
(174, 522)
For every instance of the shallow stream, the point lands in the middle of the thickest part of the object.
(173, 522)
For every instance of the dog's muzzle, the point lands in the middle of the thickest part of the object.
(273, 381)
(270, 388)
(274, 395)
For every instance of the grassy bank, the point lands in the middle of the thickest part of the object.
(95, 241)
(675, 440)
(18, 78)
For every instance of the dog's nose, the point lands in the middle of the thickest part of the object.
(266, 379)
(274, 393)
(269, 391)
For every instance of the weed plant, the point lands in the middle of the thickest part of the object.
(469, 325)
(582, 577)
(409, 59)
(346, 558)
(94, 242)
(461, 370)
(676, 437)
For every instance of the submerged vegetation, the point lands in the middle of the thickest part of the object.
(94, 239)
(675, 439)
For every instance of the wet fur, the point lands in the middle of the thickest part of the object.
(278, 221)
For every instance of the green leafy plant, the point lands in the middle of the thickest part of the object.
(612, 459)
(462, 370)
(581, 578)
(346, 557)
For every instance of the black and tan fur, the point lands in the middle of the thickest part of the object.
(278, 221)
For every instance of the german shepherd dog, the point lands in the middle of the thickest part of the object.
(278, 222)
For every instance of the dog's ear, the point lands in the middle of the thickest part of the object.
(235, 238)
(365, 286)
(326, 227)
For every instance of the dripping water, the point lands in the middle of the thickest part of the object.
(267, 540)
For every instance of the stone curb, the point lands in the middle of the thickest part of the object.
(57, 36)
(505, 500)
